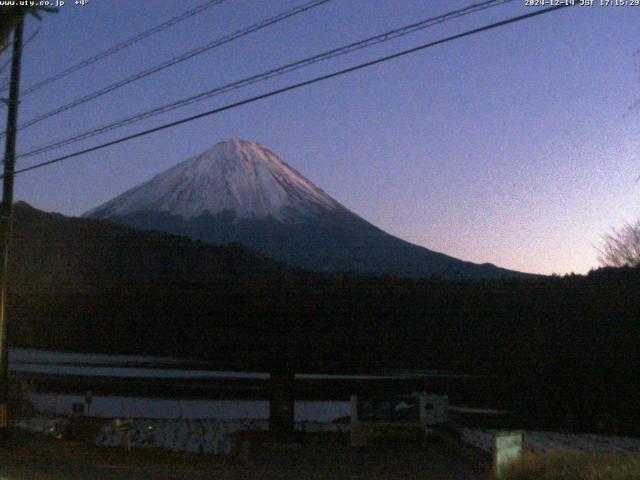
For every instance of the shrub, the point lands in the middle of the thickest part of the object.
(574, 466)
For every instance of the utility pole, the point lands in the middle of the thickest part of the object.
(6, 214)
(282, 403)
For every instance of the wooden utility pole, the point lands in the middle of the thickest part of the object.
(282, 404)
(6, 213)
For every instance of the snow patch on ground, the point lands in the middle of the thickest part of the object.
(195, 436)
(547, 441)
(55, 426)
(210, 436)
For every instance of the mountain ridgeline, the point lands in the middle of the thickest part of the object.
(240, 192)
(53, 251)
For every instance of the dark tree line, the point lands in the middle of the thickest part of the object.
(568, 346)
(559, 348)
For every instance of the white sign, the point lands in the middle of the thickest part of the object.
(507, 447)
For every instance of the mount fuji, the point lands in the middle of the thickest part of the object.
(239, 191)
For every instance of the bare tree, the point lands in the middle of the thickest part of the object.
(621, 247)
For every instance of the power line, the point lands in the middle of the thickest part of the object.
(296, 86)
(5, 64)
(121, 46)
(352, 47)
(175, 60)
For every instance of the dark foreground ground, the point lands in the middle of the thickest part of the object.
(34, 458)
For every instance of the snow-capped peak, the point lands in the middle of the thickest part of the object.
(235, 175)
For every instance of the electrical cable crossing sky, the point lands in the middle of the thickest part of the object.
(120, 46)
(263, 76)
(174, 61)
(295, 86)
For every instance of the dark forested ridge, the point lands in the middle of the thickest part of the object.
(49, 248)
(562, 347)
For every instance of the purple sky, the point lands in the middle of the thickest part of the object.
(507, 147)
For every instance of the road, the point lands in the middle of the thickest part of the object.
(325, 462)
(318, 461)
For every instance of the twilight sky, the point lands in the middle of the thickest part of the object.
(509, 147)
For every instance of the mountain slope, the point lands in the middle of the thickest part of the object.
(239, 191)
(49, 249)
